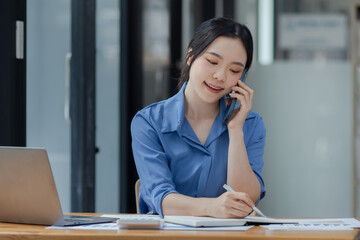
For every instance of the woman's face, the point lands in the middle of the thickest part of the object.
(218, 68)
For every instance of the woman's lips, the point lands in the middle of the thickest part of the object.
(213, 88)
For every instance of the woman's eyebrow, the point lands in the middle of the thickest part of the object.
(218, 56)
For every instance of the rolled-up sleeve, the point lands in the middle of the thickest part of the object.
(151, 163)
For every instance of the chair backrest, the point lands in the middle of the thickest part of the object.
(137, 189)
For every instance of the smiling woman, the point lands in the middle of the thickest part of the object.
(184, 151)
(218, 69)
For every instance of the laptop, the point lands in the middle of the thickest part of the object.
(28, 193)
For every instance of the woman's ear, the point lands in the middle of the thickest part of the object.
(189, 57)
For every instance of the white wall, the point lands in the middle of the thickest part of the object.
(307, 109)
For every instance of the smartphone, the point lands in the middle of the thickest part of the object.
(231, 106)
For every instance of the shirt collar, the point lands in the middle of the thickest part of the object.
(174, 112)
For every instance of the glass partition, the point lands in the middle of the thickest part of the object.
(305, 98)
(48, 42)
(48, 123)
(107, 106)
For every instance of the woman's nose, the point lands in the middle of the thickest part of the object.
(219, 74)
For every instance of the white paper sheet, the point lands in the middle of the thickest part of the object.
(318, 224)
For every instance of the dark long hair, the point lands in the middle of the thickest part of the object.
(207, 32)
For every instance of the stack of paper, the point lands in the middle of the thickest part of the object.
(318, 224)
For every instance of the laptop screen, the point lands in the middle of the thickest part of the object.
(27, 187)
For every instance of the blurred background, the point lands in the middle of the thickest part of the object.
(121, 55)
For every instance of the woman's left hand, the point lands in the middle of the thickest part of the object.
(245, 95)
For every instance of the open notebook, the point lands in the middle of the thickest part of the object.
(28, 193)
(223, 222)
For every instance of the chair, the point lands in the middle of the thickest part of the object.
(137, 189)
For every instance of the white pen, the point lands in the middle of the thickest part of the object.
(228, 188)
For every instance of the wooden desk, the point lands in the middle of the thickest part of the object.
(22, 231)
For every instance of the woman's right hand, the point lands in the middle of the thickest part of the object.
(231, 205)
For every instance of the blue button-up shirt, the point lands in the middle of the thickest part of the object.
(170, 158)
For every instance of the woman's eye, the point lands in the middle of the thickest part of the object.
(235, 71)
(211, 62)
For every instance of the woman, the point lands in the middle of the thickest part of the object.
(184, 151)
